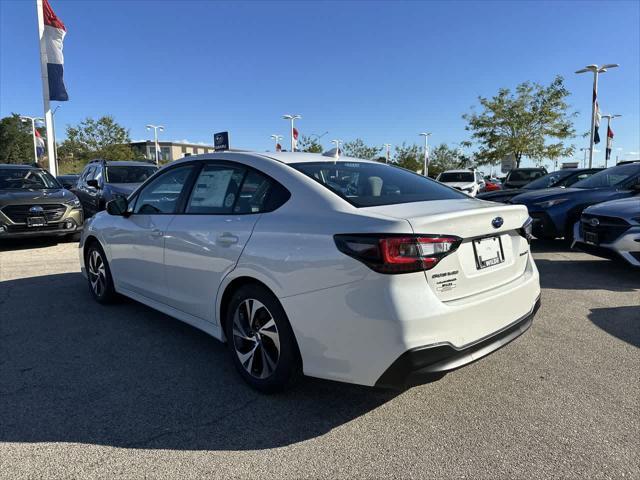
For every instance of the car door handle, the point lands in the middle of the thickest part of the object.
(227, 239)
(156, 232)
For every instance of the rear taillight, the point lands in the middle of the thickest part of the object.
(397, 253)
(526, 230)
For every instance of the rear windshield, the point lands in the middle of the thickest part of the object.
(450, 177)
(129, 173)
(372, 184)
(609, 177)
(524, 175)
(26, 179)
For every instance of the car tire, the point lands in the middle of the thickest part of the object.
(260, 340)
(99, 274)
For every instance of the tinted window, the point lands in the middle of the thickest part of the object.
(88, 174)
(610, 177)
(259, 193)
(524, 175)
(369, 184)
(26, 178)
(450, 177)
(216, 189)
(129, 173)
(162, 194)
(548, 180)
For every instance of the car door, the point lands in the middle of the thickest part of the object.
(137, 239)
(205, 241)
(81, 188)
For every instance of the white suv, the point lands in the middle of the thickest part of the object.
(467, 181)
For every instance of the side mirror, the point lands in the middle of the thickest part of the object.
(93, 183)
(118, 206)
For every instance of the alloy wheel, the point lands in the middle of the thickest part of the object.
(97, 273)
(255, 338)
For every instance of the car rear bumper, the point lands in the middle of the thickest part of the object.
(442, 357)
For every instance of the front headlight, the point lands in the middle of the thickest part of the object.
(551, 203)
(75, 203)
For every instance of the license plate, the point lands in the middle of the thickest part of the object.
(591, 237)
(36, 221)
(488, 252)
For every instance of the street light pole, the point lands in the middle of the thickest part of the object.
(607, 150)
(155, 135)
(596, 71)
(277, 139)
(425, 170)
(291, 118)
(388, 147)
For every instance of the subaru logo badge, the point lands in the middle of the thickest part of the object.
(594, 222)
(36, 210)
(497, 222)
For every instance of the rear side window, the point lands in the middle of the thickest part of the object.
(216, 189)
(371, 184)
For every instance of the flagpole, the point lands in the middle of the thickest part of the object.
(593, 114)
(48, 117)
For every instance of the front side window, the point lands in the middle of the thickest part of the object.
(371, 184)
(129, 173)
(610, 177)
(26, 179)
(215, 190)
(161, 196)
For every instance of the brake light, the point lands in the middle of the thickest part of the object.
(397, 253)
(526, 230)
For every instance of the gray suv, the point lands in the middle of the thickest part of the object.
(102, 181)
(33, 203)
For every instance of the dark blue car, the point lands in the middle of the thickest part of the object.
(555, 210)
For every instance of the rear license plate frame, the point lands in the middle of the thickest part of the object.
(488, 262)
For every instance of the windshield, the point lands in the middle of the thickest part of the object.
(373, 184)
(450, 177)
(609, 177)
(26, 179)
(129, 173)
(524, 175)
(548, 180)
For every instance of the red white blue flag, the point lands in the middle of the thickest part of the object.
(609, 142)
(39, 143)
(295, 138)
(596, 133)
(54, 32)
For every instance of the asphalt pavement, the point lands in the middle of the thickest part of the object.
(122, 391)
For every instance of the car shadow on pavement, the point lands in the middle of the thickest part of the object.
(588, 275)
(621, 322)
(13, 244)
(124, 375)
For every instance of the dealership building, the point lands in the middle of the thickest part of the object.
(170, 151)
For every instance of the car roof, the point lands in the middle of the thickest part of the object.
(15, 166)
(464, 170)
(123, 163)
(529, 168)
(281, 157)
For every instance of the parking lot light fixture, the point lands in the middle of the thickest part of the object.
(276, 139)
(155, 135)
(291, 119)
(596, 70)
(425, 170)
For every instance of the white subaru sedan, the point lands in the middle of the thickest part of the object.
(342, 269)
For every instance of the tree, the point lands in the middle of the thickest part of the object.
(520, 124)
(16, 142)
(443, 157)
(358, 149)
(101, 138)
(309, 144)
(410, 157)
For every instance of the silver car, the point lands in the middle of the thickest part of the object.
(611, 228)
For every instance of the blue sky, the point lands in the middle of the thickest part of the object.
(381, 71)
